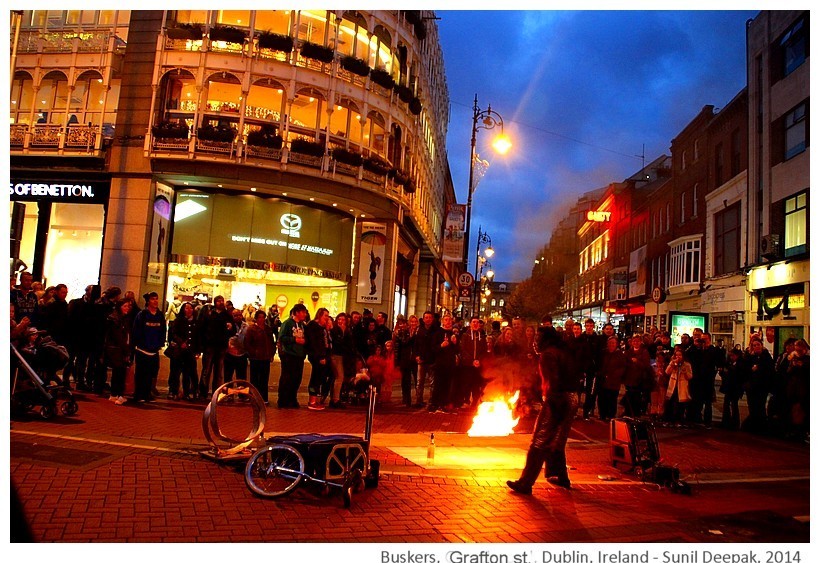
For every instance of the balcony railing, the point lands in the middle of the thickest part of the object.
(47, 137)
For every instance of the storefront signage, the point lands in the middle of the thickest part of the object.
(90, 192)
(371, 259)
(685, 323)
(599, 216)
(264, 230)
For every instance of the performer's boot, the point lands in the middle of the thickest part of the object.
(535, 459)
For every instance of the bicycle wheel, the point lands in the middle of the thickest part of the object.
(274, 470)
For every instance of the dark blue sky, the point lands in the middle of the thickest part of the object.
(580, 93)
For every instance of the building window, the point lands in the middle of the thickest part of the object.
(685, 267)
(683, 160)
(736, 154)
(695, 201)
(794, 46)
(683, 208)
(500, 302)
(668, 216)
(719, 164)
(697, 150)
(727, 240)
(796, 226)
(794, 126)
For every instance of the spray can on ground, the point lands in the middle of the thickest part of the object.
(431, 450)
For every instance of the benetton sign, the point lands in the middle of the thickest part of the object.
(91, 192)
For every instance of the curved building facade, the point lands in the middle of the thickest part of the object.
(268, 156)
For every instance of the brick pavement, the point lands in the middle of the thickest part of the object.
(133, 473)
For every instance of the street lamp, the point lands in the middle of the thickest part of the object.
(483, 237)
(482, 119)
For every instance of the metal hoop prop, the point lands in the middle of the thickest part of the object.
(210, 422)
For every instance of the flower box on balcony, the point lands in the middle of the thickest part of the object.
(355, 65)
(382, 78)
(265, 137)
(170, 130)
(219, 134)
(228, 34)
(275, 41)
(318, 52)
(264, 152)
(310, 148)
(191, 31)
(347, 157)
(415, 106)
(405, 94)
(377, 165)
(399, 177)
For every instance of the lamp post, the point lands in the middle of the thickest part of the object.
(482, 119)
(483, 237)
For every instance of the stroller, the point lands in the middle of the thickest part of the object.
(31, 386)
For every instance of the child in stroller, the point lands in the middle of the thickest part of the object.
(32, 387)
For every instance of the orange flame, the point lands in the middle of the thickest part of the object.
(495, 418)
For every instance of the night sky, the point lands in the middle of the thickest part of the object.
(581, 95)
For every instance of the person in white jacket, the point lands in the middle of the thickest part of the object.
(677, 392)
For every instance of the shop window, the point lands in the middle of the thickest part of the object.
(22, 96)
(265, 99)
(795, 131)
(307, 114)
(796, 225)
(223, 94)
(312, 26)
(380, 54)
(346, 121)
(685, 267)
(276, 21)
(353, 38)
(727, 240)
(375, 134)
(74, 247)
(236, 18)
(192, 16)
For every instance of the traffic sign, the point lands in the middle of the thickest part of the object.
(465, 294)
(465, 280)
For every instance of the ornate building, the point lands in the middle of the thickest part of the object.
(268, 156)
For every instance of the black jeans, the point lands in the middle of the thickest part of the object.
(147, 368)
(260, 376)
(235, 366)
(212, 364)
(320, 374)
(549, 438)
(185, 365)
(290, 380)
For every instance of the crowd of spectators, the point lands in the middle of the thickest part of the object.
(443, 365)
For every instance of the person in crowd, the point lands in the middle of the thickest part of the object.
(261, 347)
(273, 320)
(662, 357)
(677, 391)
(236, 359)
(101, 309)
(473, 350)
(611, 374)
(731, 385)
(148, 337)
(404, 339)
(561, 379)
(798, 392)
(183, 334)
(291, 344)
(319, 350)
(427, 342)
(118, 355)
(54, 317)
(383, 332)
(777, 408)
(590, 344)
(446, 345)
(758, 375)
(25, 299)
(215, 329)
(135, 309)
(79, 328)
(639, 378)
(342, 359)
(709, 360)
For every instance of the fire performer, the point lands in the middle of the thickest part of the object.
(560, 379)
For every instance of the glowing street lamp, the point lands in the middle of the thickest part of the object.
(482, 119)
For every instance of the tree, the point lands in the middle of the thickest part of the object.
(534, 297)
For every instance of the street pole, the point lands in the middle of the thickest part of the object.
(470, 191)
